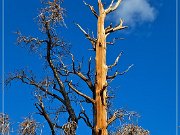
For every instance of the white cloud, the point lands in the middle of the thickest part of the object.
(135, 12)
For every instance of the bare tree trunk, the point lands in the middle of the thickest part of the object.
(100, 106)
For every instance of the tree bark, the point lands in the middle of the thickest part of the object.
(100, 106)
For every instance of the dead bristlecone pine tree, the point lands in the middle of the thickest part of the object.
(57, 91)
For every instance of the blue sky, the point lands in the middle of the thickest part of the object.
(148, 88)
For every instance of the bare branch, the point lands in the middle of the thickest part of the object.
(28, 40)
(53, 68)
(78, 73)
(41, 108)
(89, 68)
(101, 6)
(108, 27)
(34, 43)
(88, 82)
(47, 17)
(125, 71)
(120, 26)
(114, 41)
(52, 13)
(92, 9)
(119, 73)
(113, 118)
(49, 47)
(116, 28)
(85, 118)
(80, 93)
(112, 6)
(117, 114)
(92, 40)
(63, 71)
(116, 61)
(121, 113)
(30, 81)
(113, 76)
(60, 83)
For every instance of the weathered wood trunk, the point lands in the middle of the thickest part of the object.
(100, 106)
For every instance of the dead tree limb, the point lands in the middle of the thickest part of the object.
(116, 28)
(92, 9)
(41, 109)
(30, 81)
(92, 40)
(119, 73)
(57, 77)
(80, 93)
(121, 114)
(85, 118)
(89, 69)
(112, 6)
(114, 41)
(116, 61)
(83, 77)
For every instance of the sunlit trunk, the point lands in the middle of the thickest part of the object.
(100, 106)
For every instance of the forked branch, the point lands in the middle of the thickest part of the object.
(119, 73)
(84, 116)
(112, 6)
(110, 29)
(117, 114)
(121, 114)
(83, 77)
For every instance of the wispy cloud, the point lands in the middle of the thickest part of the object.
(135, 12)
